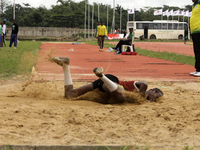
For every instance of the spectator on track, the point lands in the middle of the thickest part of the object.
(101, 33)
(195, 31)
(106, 83)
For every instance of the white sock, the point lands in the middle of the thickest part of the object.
(110, 84)
(67, 75)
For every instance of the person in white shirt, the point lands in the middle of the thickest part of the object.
(3, 32)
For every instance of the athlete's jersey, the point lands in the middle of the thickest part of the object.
(101, 30)
(129, 85)
(195, 18)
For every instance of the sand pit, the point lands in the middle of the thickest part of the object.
(39, 115)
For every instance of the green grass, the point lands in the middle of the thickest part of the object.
(18, 61)
(189, 60)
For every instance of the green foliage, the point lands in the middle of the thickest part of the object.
(18, 61)
(71, 14)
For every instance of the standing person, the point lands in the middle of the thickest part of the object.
(128, 41)
(4, 31)
(106, 83)
(1, 38)
(96, 34)
(186, 38)
(14, 34)
(195, 31)
(101, 33)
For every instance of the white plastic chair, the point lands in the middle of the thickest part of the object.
(130, 46)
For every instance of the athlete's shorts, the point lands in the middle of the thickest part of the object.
(99, 83)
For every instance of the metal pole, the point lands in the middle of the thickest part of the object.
(107, 18)
(14, 10)
(113, 17)
(178, 21)
(92, 19)
(88, 20)
(120, 20)
(98, 12)
(85, 17)
(188, 28)
(127, 16)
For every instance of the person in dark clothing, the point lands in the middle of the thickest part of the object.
(125, 42)
(14, 33)
(195, 31)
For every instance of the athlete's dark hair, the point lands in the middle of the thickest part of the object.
(157, 90)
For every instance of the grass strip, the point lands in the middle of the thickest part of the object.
(18, 61)
(189, 60)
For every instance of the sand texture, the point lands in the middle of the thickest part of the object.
(39, 114)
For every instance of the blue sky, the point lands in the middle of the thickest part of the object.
(124, 3)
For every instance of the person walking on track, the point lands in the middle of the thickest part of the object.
(101, 33)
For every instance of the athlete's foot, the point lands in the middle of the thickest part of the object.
(98, 72)
(60, 60)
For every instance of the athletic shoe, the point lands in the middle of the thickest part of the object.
(98, 71)
(101, 50)
(118, 53)
(192, 73)
(60, 60)
(15, 47)
(197, 74)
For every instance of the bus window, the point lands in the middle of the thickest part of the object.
(139, 25)
(157, 26)
(185, 27)
(169, 25)
(175, 26)
(131, 24)
(164, 25)
(145, 25)
(150, 25)
(180, 26)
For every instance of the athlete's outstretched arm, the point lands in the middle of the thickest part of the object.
(142, 86)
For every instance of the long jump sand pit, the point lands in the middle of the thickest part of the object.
(38, 114)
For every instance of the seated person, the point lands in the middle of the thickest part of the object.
(106, 83)
(128, 41)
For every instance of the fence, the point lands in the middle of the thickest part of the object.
(35, 32)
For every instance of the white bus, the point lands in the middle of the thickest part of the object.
(159, 29)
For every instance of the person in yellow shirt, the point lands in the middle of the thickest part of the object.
(101, 33)
(195, 31)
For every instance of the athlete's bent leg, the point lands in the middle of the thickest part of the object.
(110, 87)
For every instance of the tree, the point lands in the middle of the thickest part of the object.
(3, 5)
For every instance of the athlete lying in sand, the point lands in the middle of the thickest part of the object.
(106, 83)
